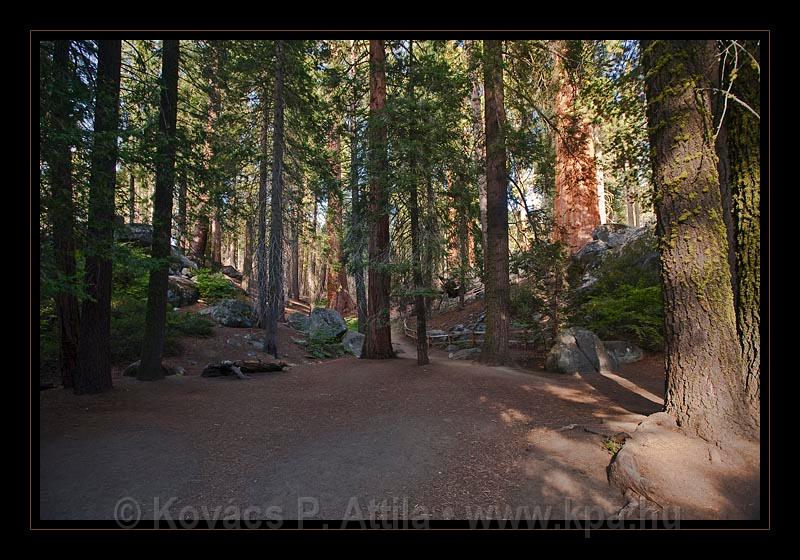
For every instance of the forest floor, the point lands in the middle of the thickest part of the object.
(331, 439)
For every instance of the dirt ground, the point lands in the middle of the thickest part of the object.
(340, 438)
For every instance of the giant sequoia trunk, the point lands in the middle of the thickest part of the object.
(378, 341)
(744, 150)
(577, 210)
(495, 346)
(216, 241)
(62, 210)
(93, 372)
(155, 321)
(275, 289)
(705, 389)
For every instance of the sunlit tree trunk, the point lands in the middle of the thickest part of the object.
(131, 198)
(93, 372)
(577, 211)
(705, 389)
(261, 239)
(155, 321)
(495, 346)
(378, 341)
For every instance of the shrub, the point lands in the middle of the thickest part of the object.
(213, 285)
(629, 313)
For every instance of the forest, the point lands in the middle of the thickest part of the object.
(542, 255)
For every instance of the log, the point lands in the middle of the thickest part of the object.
(239, 368)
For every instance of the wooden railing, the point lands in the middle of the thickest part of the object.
(519, 337)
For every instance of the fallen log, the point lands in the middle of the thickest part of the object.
(239, 368)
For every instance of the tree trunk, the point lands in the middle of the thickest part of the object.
(495, 346)
(132, 198)
(216, 242)
(155, 322)
(416, 253)
(182, 213)
(261, 242)
(479, 149)
(93, 373)
(745, 182)
(601, 178)
(200, 239)
(705, 391)
(62, 211)
(247, 266)
(294, 284)
(577, 211)
(378, 341)
(338, 292)
(275, 290)
(357, 211)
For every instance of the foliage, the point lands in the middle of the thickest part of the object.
(213, 285)
(352, 323)
(625, 302)
(322, 347)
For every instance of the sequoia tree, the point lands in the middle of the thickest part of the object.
(155, 321)
(93, 371)
(576, 211)
(378, 341)
(705, 389)
(495, 346)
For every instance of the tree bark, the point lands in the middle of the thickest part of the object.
(338, 292)
(155, 321)
(294, 284)
(63, 211)
(744, 145)
(577, 211)
(275, 290)
(216, 241)
(705, 391)
(132, 198)
(182, 213)
(93, 372)
(495, 345)
(378, 341)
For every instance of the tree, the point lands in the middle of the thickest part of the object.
(495, 345)
(378, 341)
(705, 390)
(416, 253)
(62, 211)
(275, 289)
(479, 147)
(155, 322)
(93, 371)
(744, 150)
(577, 211)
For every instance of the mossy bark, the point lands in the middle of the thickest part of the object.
(704, 390)
(745, 183)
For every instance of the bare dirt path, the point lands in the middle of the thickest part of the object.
(330, 438)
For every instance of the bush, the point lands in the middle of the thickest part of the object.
(629, 313)
(213, 285)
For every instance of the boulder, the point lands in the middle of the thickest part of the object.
(181, 291)
(353, 342)
(326, 324)
(178, 261)
(138, 234)
(578, 350)
(231, 272)
(299, 321)
(465, 354)
(232, 313)
(623, 352)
